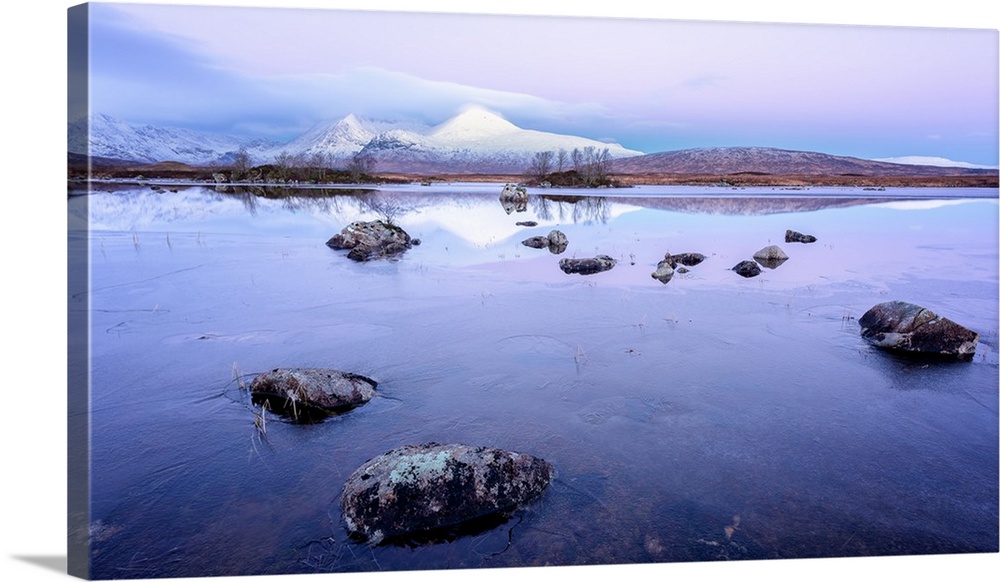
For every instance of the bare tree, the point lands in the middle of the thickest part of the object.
(561, 158)
(242, 162)
(361, 165)
(541, 164)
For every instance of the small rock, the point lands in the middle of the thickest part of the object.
(587, 266)
(898, 325)
(557, 242)
(514, 198)
(536, 242)
(664, 271)
(792, 236)
(307, 394)
(771, 257)
(747, 269)
(420, 488)
(526, 223)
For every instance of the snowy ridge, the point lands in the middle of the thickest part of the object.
(113, 138)
(475, 140)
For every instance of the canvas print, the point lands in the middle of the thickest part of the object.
(358, 291)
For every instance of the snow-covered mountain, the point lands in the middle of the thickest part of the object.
(475, 140)
(113, 138)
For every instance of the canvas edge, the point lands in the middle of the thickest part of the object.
(78, 299)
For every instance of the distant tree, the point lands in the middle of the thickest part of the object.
(561, 158)
(361, 166)
(283, 166)
(541, 164)
(242, 162)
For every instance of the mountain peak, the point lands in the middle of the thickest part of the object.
(473, 122)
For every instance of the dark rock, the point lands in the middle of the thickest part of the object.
(419, 488)
(686, 259)
(587, 266)
(371, 240)
(308, 394)
(526, 223)
(898, 325)
(664, 271)
(514, 198)
(536, 242)
(771, 257)
(792, 236)
(747, 269)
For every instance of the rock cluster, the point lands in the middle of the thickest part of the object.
(556, 242)
(666, 268)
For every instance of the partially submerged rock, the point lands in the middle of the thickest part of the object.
(747, 269)
(420, 488)
(664, 271)
(371, 240)
(556, 242)
(514, 198)
(792, 236)
(770, 256)
(526, 223)
(308, 394)
(587, 266)
(898, 325)
(687, 259)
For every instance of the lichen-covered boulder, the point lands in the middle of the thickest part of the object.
(587, 266)
(371, 240)
(793, 236)
(747, 269)
(770, 256)
(420, 488)
(898, 325)
(308, 394)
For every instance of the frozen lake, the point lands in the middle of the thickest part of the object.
(711, 417)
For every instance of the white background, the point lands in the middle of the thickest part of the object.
(33, 211)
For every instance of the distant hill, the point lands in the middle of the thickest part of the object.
(760, 160)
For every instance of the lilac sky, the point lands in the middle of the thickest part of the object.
(650, 85)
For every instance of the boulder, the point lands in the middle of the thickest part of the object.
(792, 236)
(664, 271)
(308, 394)
(902, 326)
(747, 269)
(771, 257)
(587, 266)
(371, 240)
(419, 488)
(514, 198)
